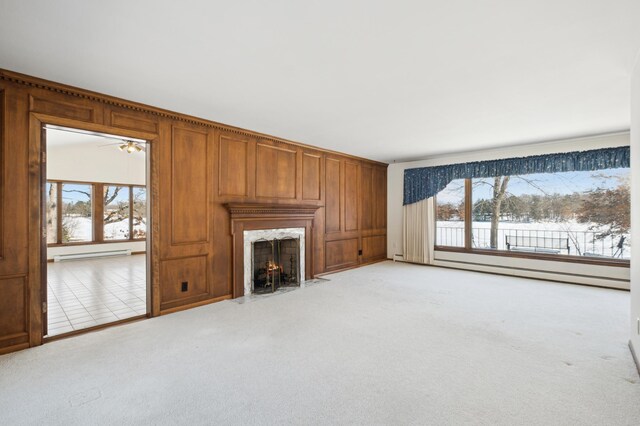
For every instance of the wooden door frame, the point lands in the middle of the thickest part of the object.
(37, 122)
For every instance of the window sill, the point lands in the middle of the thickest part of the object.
(539, 256)
(95, 243)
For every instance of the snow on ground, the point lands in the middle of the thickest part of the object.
(82, 229)
(581, 238)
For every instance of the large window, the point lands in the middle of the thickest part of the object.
(450, 215)
(573, 214)
(77, 214)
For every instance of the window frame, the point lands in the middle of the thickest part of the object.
(97, 213)
(468, 248)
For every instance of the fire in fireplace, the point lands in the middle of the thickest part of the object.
(276, 264)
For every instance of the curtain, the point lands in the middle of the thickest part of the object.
(425, 182)
(418, 230)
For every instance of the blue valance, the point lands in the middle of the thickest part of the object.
(424, 182)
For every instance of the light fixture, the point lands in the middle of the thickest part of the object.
(130, 147)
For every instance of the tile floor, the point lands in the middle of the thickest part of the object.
(86, 293)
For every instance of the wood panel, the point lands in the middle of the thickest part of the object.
(332, 209)
(311, 179)
(13, 309)
(199, 166)
(3, 178)
(14, 183)
(233, 175)
(176, 272)
(350, 196)
(126, 121)
(366, 197)
(374, 247)
(189, 187)
(276, 170)
(61, 109)
(379, 194)
(341, 254)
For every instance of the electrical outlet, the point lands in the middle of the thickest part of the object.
(185, 286)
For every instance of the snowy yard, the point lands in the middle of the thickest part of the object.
(81, 229)
(581, 240)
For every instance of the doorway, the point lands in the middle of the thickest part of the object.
(95, 242)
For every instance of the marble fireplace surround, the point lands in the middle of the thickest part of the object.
(293, 220)
(252, 236)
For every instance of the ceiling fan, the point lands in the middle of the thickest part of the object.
(128, 146)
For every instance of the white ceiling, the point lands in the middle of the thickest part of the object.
(386, 80)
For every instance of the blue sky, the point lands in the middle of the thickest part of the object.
(541, 184)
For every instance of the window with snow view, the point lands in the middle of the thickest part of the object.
(76, 213)
(72, 216)
(139, 212)
(585, 214)
(450, 209)
(52, 212)
(116, 212)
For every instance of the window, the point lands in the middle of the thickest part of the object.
(76, 213)
(117, 212)
(72, 216)
(450, 215)
(52, 212)
(139, 212)
(575, 214)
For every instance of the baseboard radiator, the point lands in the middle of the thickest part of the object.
(76, 256)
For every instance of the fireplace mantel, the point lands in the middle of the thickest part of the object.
(253, 210)
(256, 216)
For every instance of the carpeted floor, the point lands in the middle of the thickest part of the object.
(389, 343)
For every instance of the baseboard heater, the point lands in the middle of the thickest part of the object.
(75, 256)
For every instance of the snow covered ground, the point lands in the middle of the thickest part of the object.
(581, 239)
(82, 229)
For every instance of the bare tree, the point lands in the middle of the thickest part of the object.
(499, 190)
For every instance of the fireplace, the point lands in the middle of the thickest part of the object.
(277, 229)
(273, 258)
(275, 264)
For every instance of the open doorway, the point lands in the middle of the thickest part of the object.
(95, 211)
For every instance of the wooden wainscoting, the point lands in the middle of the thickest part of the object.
(198, 166)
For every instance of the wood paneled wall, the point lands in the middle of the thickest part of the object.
(196, 167)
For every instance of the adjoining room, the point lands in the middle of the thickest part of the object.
(96, 229)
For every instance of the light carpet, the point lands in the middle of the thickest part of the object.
(389, 343)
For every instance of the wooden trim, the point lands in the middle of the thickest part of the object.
(58, 212)
(13, 348)
(252, 210)
(369, 262)
(195, 304)
(64, 89)
(540, 256)
(95, 328)
(35, 124)
(98, 212)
